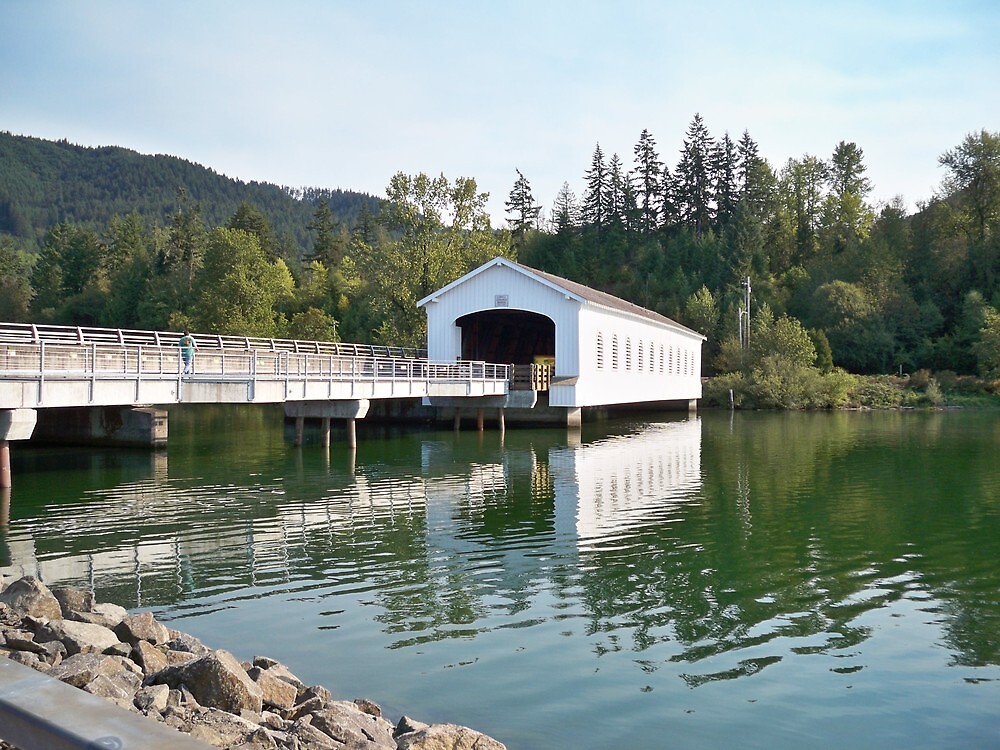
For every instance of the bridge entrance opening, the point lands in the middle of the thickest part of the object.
(508, 337)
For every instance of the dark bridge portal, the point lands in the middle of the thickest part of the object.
(507, 336)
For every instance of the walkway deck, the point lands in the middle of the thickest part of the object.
(54, 366)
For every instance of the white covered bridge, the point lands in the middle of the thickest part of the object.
(596, 349)
(502, 336)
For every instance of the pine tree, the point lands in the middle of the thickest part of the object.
(565, 211)
(521, 204)
(724, 168)
(595, 199)
(694, 178)
(615, 210)
(648, 175)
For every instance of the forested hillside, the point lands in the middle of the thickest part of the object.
(838, 285)
(43, 183)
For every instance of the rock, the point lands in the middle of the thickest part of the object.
(22, 640)
(308, 736)
(405, 725)
(28, 659)
(184, 642)
(142, 627)
(179, 657)
(223, 729)
(369, 707)
(447, 737)
(306, 707)
(29, 596)
(151, 698)
(345, 722)
(108, 615)
(279, 670)
(149, 657)
(277, 693)
(73, 600)
(216, 680)
(117, 689)
(78, 637)
(80, 669)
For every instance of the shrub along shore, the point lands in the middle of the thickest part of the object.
(171, 677)
(790, 387)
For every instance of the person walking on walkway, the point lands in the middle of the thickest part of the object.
(187, 346)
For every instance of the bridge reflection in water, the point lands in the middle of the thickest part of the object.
(158, 538)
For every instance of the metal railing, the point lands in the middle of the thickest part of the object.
(32, 333)
(46, 362)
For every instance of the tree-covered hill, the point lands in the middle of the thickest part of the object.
(43, 183)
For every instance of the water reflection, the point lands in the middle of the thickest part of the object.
(688, 552)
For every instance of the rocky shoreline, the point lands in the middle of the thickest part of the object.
(171, 677)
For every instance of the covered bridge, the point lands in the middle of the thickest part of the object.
(594, 349)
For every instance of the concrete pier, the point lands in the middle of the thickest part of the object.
(349, 411)
(15, 424)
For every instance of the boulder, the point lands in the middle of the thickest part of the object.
(216, 680)
(73, 600)
(149, 657)
(345, 722)
(184, 642)
(151, 698)
(80, 669)
(78, 637)
(447, 737)
(108, 615)
(142, 627)
(117, 688)
(29, 596)
(277, 693)
(279, 670)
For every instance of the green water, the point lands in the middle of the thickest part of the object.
(748, 580)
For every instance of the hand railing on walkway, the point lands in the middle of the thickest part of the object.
(95, 360)
(33, 333)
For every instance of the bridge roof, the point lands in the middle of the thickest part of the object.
(574, 290)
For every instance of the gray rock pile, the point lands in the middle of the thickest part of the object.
(168, 676)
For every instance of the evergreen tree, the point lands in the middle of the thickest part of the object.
(616, 207)
(330, 241)
(521, 205)
(597, 195)
(250, 219)
(725, 163)
(649, 176)
(565, 210)
(693, 180)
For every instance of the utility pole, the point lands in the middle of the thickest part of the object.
(745, 314)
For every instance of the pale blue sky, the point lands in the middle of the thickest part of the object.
(345, 94)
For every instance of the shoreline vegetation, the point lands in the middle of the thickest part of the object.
(171, 677)
(797, 388)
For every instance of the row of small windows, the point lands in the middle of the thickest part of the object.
(650, 357)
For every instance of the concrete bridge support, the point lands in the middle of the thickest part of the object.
(15, 424)
(349, 411)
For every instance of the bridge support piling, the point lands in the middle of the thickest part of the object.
(479, 419)
(501, 421)
(458, 419)
(352, 433)
(574, 417)
(15, 424)
(325, 432)
(300, 428)
(4, 465)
